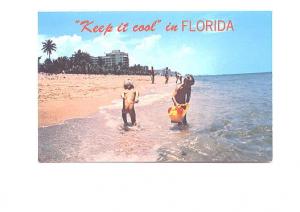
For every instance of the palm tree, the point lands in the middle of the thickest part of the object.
(48, 47)
(82, 60)
(62, 64)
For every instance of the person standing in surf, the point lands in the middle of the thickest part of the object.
(178, 77)
(182, 94)
(167, 75)
(152, 74)
(130, 96)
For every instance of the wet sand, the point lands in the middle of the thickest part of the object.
(68, 96)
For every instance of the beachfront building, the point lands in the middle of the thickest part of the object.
(97, 60)
(116, 58)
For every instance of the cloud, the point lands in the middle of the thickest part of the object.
(148, 50)
(68, 44)
(184, 51)
(148, 43)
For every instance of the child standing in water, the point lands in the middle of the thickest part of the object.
(130, 96)
(182, 93)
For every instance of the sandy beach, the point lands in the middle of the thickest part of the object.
(67, 96)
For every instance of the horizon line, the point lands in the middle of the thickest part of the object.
(208, 75)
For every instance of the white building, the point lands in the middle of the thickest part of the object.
(116, 57)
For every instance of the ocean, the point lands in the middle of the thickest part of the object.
(230, 120)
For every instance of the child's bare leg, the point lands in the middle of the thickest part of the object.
(184, 121)
(132, 116)
(124, 116)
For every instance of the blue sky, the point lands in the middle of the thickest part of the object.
(246, 50)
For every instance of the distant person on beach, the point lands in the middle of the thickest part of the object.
(178, 77)
(152, 74)
(130, 96)
(167, 75)
(182, 94)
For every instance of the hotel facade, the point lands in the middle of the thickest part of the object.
(114, 58)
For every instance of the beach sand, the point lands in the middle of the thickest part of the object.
(67, 96)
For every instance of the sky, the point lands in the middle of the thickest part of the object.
(247, 49)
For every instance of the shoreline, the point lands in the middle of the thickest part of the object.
(227, 127)
(69, 96)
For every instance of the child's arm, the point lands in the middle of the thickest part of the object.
(123, 95)
(188, 95)
(173, 97)
(137, 95)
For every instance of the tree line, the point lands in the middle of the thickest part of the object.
(83, 63)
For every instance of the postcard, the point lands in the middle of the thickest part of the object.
(155, 86)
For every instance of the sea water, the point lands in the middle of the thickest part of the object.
(230, 120)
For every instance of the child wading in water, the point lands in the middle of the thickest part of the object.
(130, 97)
(182, 94)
